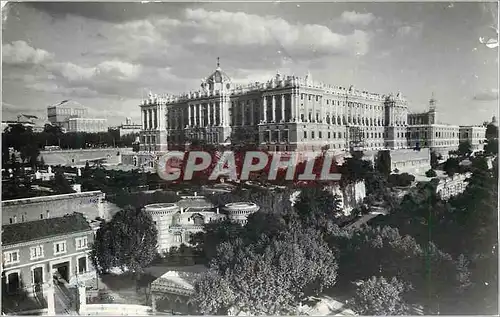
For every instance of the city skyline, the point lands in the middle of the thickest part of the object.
(107, 56)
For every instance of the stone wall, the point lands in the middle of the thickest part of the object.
(91, 204)
(352, 195)
(116, 310)
(411, 161)
(79, 157)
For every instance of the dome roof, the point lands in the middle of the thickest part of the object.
(218, 77)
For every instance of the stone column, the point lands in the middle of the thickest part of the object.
(283, 107)
(153, 302)
(214, 111)
(209, 114)
(273, 108)
(142, 119)
(222, 117)
(189, 116)
(264, 107)
(200, 106)
(82, 299)
(243, 108)
(155, 111)
(292, 106)
(252, 112)
(336, 111)
(297, 105)
(51, 308)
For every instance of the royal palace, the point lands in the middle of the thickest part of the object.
(289, 113)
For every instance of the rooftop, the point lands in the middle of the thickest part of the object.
(38, 199)
(178, 281)
(46, 228)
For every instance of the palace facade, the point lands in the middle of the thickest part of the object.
(285, 114)
(289, 113)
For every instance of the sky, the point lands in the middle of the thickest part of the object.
(108, 56)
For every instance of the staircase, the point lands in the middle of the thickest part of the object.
(64, 300)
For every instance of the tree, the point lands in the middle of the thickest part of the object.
(61, 184)
(402, 180)
(491, 131)
(213, 294)
(205, 243)
(491, 147)
(383, 162)
(431, 173)
(451, 166)
(377, 296)
(434, 160)
(269, 276)
(315, 204)
(128, 241)
(464, 149)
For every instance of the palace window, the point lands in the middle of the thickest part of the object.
(36, 252)
(320, 135)
(11, 257)
(312, 134)
(59, 247)
(276, 136)
(177, 238)
(305, 134)
(81, 243)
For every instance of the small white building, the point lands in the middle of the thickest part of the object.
(177, 222)
(452, 186)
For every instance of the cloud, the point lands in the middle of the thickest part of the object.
(242, 29)
(19, 53)
(109, 77)
(410, 30)
(487, 95)
(355, 18)
(53, 88)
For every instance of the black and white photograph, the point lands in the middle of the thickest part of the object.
(250, 158)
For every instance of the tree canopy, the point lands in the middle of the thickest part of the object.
(269, 276)
(128, 241)
(377, 297)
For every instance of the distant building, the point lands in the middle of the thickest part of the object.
(128, 128)
(71, 116)
(425, 131)
(60, 113)
(475, 135)
(15, 211)
(32, 252)
(88, 125)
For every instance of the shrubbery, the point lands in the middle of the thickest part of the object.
(401, 180)
(431, 173)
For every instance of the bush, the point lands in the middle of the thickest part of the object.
(401, 180)
(431, 173)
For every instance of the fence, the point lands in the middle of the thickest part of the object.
(116, 309)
